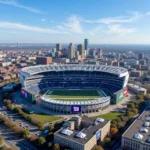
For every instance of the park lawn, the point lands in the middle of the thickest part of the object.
(110, 115)
(45, 118)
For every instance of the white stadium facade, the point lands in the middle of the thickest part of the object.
(74, 76)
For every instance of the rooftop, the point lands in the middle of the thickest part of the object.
(136, 87)
(86, 133)
(80, 67)
(140, 128)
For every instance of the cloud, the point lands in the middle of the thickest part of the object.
(119, 19)
(72, 25)
(117, 29)
(60, 27)
(16, 4)
(148, 13)
(96, 30)
(43, 20)
(18, 26)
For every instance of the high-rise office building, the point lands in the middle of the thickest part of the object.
(86, 43)
(71, 51)
(58, 47)
(118, 56)
(100, 52)
(81, 50)
(141, 56)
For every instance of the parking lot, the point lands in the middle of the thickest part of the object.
(23, 123)
(15, 142)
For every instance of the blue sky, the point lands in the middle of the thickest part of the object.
(65, 21)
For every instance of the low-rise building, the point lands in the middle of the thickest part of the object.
(3, 70)
(4, 64)
(41, 60)
(137, 89)
(137, 136)
(5, 77)
(82, 132)
(135, 73)
(145, 67)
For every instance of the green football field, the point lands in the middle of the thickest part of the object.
(73, 95)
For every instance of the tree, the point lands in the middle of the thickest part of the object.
(1, 140)
(56, 146)
(131, 106)
(113, 131)
(41, 127)
(7, 102)
(51, 127)
(130, 115)
(140, 96)
(118, 119)
(29, 118)
(107, 142)
(113, 125)
(120, 125)
(40, 141)
(114, 121)
(98, 148)
(10, 107)
(147, 97)
(135, 111)
(32, 138)
(25, 133)
(6, 148)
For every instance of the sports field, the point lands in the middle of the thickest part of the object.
(73, 95)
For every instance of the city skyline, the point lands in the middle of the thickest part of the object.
(67, 21)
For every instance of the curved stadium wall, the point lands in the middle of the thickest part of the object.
(73, 76)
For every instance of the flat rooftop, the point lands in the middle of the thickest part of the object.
(90, 131)
(137, 125)
(136, 87)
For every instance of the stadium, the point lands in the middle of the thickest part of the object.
(74, 88)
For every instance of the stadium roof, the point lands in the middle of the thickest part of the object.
(86, 67)
(88, 102)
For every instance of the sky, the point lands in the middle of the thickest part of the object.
(65, 21)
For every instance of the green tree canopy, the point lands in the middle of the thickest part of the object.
(40, 141)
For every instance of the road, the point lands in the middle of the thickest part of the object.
(10, 139)
(13, 141)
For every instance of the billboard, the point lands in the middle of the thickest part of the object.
(24, 93)
(76, 108)
(98, 134)
(119, 96)
(125, 92)
(28, 95)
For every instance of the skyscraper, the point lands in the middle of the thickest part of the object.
(81, 50)
(58, 47)
(100, 52)
(71, 51)
(86, 43)
(141, 56)
(118, 56)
